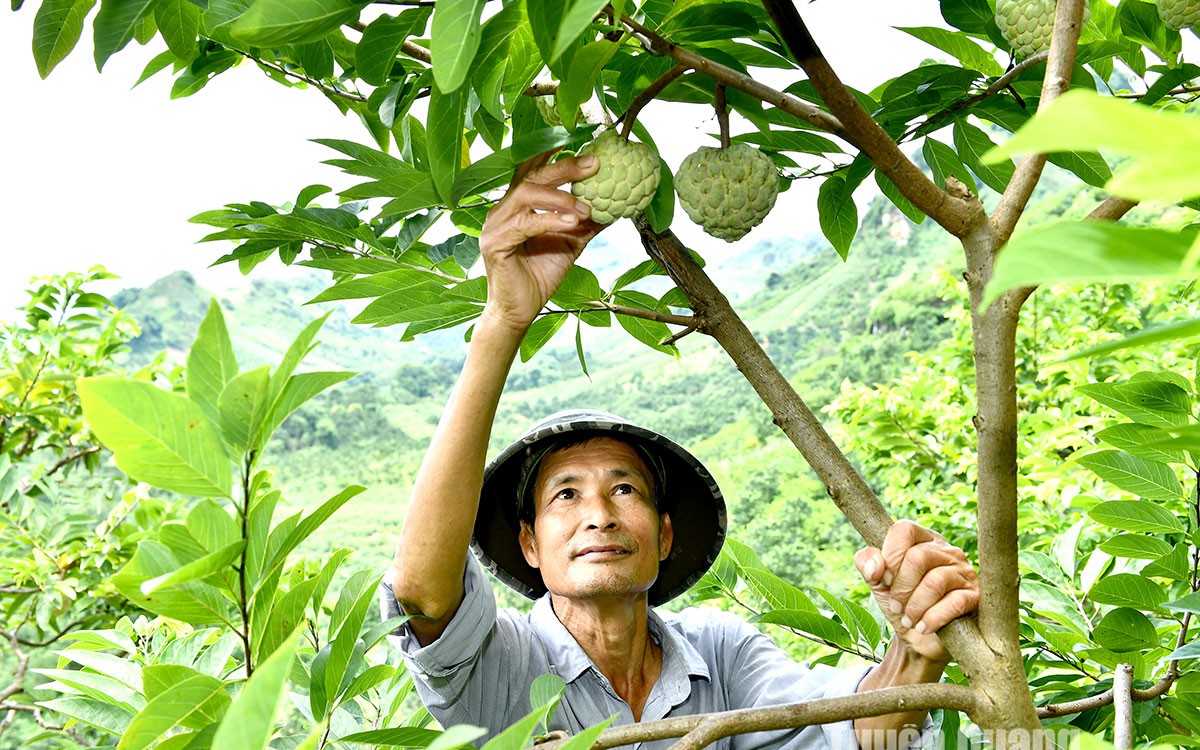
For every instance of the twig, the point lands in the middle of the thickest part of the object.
(790, 716)
(1172, 92)
(18, 673)
(1123, 707)
(647, 95)
(722, 114)
(688, 321)
(1068, 22)
(734, 79)
(331, 91)
(17, 591)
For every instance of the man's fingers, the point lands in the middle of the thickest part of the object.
(563, 171)
(950, 607)
(870, 564)
(527, 166)
(921, 561)
(937, 585)
(900, 538)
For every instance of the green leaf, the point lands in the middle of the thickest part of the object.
(287, 613)
(179, 23)
(808, 622)
(195, 603)
(539, 334)
(1124, 630)
(1087, 166)
(652, 333)
(211, 363)
(402, 736)
(1135, 546)
(958, 46)
(1180, 331)
(889, 189)
(157, 437)
(661, 211)
(1141, 440)
(242, 405)
(774, 590)
(300, 389)
(381, 284)
(1173, 565)
(448, 110)
(577, 86)
(100, 716)
(375, 54)
(56, 30)
(1089, 251)
(1165, 167)
(455, 40)
(1189, 603)
(270, 23)
(972, 143)
(1157, 404)
(250, 721)
(197, 701)
(310, 524)
(1148, 479)
(945, 163)
(1137, 516)
(1128, 590)
(115, 25)
(214, 562)
(556, 24)
(837, 213)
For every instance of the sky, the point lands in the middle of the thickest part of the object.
(96, 171)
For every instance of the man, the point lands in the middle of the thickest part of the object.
(609, 519)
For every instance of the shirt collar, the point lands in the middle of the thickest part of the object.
(569, 661)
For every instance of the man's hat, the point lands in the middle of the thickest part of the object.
(685, 489)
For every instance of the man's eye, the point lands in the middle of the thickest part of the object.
(625, 489)
(564, 495)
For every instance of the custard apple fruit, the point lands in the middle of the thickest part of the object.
(626, 181)
(727, 191)
(1028, 25)
(548, 108)
(1179, 14)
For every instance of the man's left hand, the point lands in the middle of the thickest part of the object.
(920, 582)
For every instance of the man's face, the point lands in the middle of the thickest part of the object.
(596, 531)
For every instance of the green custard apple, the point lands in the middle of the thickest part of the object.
(727, 191)
(625, 183)
(1028, 25)
(1179, 14)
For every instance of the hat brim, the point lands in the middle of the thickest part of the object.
(692, 500)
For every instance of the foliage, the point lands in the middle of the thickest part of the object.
(66, 525)
(454, 152)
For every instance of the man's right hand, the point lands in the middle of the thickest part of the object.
(532, 237)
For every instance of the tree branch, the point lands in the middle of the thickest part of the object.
(19, 672)
(647, 95)
(1123, 707)
(993, 89)
(711, 727)
(1112, 209)
(814, 116)
(17, 591)
(1068, 22)
(341, 94)
(955, 213)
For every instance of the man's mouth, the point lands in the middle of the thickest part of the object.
(601, 551)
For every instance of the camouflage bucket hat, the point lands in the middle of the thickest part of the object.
(686, 491)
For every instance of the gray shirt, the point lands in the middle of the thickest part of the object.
(479, 671)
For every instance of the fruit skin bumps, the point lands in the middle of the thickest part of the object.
(1028, 25)
(625, 183)
(727, 191)
(1179, 14)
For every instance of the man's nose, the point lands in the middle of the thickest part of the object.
(599, 513)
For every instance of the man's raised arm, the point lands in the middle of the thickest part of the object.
(529, 242)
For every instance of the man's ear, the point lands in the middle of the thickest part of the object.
(528, 544)
(666, 536)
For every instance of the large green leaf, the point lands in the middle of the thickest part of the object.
(270, 23)
(1179, 331)
(197, 701)
(961, 47)
(242, 406)
(56, 30)
(972, 143)
(211, 363)
(157, 437)
(214, 562)
(556, 24)
(1128, 590)
(1164, 167)
(299, 389)
(376, 52)
(115, 25)
(1189, 603)
(808, 622)
(179, 23)
(581, 78)
(1148, 479)
(448, 110)
(1124, 630)
(93, 713)
(1135, 546)
(250, 721)
(454, 42)
(1158, 404)
(1137, 516)
(837, 213)
(196, 603)
(540, 333)
(305, 528)
(1090, 251)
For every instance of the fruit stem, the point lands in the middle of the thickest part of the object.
(722, 114)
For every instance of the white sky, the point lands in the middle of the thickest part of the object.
(93, 171)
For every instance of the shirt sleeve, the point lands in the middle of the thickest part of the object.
(465, 675)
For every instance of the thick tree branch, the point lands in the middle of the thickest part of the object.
(814, 116)
(1068, 22)
(1123, 707)
(711, 727)
(845, 486)
(1112, 209)
(956, 214)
